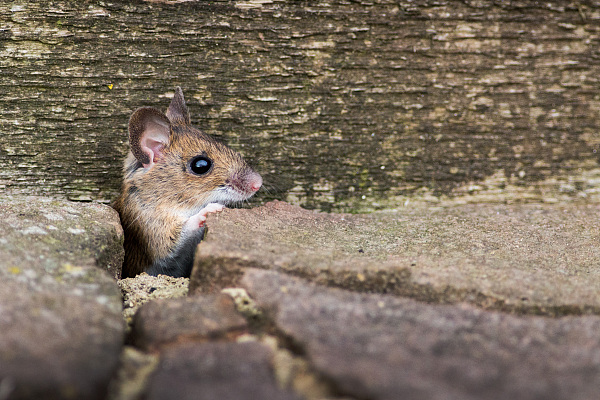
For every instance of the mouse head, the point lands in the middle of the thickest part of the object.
(179, 163)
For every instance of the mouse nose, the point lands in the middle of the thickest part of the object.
(254, 181)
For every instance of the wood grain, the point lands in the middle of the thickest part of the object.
(341, 105)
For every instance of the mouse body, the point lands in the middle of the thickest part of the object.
(173, 177)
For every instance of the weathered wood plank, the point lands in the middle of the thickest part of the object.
(341, 104)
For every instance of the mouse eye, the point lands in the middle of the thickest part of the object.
(200, 165)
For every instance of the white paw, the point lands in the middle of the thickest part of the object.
(211, 208)
(198, 220)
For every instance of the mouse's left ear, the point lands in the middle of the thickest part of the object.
(178, 112)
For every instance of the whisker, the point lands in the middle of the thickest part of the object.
(266, 189)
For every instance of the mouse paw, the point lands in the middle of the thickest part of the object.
(198, 220)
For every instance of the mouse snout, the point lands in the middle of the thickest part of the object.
(246, 182)
(254, 181)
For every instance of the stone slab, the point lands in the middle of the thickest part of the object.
(523, 258)
(48, 233)
(166, 321)
(383, 347)
(60, 308)
(208, 371)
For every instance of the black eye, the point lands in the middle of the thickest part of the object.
(200, 165)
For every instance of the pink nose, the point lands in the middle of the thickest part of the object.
(254, 182)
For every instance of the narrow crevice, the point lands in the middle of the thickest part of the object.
(131, 377)
(262, 325)
(399, 283)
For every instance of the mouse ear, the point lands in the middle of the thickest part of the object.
(177, 111)
(149, 134)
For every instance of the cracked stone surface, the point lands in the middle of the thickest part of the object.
(383, 347)
(540, 259)
(60, 308)
(410, 303)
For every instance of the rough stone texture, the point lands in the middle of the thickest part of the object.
(143, 288)
(525, 258)
(60, 314)
(341, 104)
(382, 347)
(166, 321)
(47, 233)
(225, 371)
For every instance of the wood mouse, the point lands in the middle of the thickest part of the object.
(174, 176)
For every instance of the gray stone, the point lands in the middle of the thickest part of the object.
(164, 321)
(224, 371)
(382, 347)
(60, 308)
(43, 233)
(523, 258)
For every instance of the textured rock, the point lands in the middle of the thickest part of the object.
(165, 321)
(224, 371)
(382, 347)
(60, 315)
(46, 233)
(525, 258)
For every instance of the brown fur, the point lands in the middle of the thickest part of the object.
(155, 203)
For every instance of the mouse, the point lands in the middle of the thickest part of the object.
(174, 176)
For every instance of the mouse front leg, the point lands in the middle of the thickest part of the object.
(198, 220)
(180, 261)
